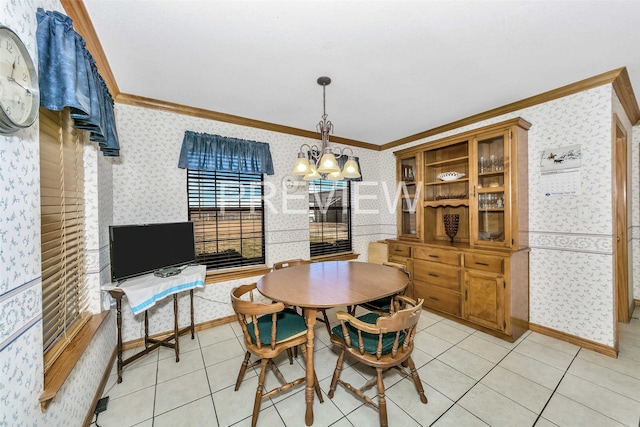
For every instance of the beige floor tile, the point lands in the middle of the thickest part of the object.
(342, 398)
(527, 393)
(431, 344)
(189, 362)
(134, 379)
(404, 395)
(180, 391)
(543, 422)
(129, 410)
(233, 406)
(483, 348)
(267, 417)
(426, 321)
(536, 371)
(367, 416)
(506, 344)
(468, 363)
(447, 332)
(550, 356)
(293, 408)
(457, 416)
(621, 364)
(445, 379)
(197, 413)
(496, 409)
(218, 334)
(460, 326)
(613, 380)
(224, 374)
(553, 343)
(565, 412)
(222, 351)
(600, 399)
(186, 344)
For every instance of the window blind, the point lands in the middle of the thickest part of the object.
(64, 282)
(227, 212)
(329, 217)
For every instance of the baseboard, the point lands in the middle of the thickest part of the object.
(198, 327)
(103, 383)
(636, 302)
(572, 339)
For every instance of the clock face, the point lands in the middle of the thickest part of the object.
(19, 94)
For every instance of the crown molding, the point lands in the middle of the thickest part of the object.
(82, 23)
(139, 101)
(618, 77)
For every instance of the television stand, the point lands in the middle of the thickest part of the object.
(142, 293)
(167, 272)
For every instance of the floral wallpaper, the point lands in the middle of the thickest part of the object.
(21, 364)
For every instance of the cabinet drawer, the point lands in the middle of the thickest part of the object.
(398, 259)
(490, 263)
(437, 298)
(399, 250)
(437, 255)
(437, 274)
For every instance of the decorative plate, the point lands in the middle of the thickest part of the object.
(450, 176)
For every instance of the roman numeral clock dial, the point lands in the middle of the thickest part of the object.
(19, 93)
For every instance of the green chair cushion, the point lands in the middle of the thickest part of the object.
(289, 323)
(383, 304)
(370, 340)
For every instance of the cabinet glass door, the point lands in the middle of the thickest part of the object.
(491, 181)
(408, 218)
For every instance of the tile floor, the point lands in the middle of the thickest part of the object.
(470, 379)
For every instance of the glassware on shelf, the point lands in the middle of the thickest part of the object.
(451, 225)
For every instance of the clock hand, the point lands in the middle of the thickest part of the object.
(13, 68)
(11, 79)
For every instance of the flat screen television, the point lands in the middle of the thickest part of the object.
(144, 248)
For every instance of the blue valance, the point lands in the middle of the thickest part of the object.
(69, 78)
(201, 151)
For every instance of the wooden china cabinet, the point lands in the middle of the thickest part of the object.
(478, 272)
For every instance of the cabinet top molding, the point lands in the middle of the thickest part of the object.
(518, 121)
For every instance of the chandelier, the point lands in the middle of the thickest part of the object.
(322, 162)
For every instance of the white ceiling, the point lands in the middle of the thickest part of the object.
(397, 67)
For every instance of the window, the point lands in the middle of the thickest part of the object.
(228, 215)
(64, 282)
(329, 217)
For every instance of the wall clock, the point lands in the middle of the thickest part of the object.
(19, 92)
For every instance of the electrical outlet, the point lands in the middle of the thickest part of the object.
(102, 405)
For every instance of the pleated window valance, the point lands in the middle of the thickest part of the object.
(69, 78)
(201, 151)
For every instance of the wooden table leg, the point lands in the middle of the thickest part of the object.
(118, 298)
(193, 328)
(175, 327)
(309, 389)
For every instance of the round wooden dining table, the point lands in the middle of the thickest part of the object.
(325, 285)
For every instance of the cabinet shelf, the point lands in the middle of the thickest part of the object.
(448, 161)
(446, 182)
(446, 202)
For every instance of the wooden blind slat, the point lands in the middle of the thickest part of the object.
(64, 285)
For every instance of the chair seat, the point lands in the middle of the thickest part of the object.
(289, 325)
(383, 304)
(370, 340)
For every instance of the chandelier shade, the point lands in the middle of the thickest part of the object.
(324, 162)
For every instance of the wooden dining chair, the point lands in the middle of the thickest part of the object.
(382, 342)
(298, 261)
(268, 330)
(383, 306)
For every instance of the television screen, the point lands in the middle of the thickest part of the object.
(144, 248)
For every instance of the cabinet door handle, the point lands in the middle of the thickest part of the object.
(482, 263)
(433, 256)
(434, 298)
(466, 295)
(474, 191)
(434, 275)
